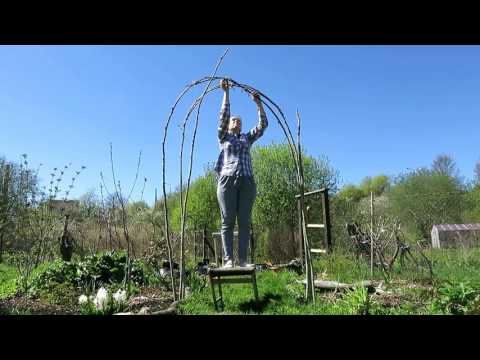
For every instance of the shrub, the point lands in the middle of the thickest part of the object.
(95, 271)
(455, 299)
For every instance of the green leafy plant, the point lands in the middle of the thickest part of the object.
(456, 299)
(356, 301)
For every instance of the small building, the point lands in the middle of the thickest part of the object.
(455, 235)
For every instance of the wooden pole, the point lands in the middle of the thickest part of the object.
(195, 245)
(204, 244)
(252, 245)
(326, 220)
(371, 233)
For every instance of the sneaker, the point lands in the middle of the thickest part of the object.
(245, 264)
(228, 264)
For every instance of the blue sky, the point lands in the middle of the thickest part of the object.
(370, 109)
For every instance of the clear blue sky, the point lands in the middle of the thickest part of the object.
(369, 109)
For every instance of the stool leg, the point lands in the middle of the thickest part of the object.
(221, 294)
(213, 293)
(255, 290)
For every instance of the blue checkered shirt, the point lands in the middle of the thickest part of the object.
(234, 158)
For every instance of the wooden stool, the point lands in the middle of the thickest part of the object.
(236, 275)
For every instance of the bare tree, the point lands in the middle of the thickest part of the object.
(445, 165)
(477, 173)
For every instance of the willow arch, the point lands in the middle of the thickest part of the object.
(295, 149)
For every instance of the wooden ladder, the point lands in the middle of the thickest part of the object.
(326, 220)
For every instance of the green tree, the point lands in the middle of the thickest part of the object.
(275, 208)
(378, 185)
(350, 193)
(422, 198)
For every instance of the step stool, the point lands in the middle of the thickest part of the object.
(236, 275)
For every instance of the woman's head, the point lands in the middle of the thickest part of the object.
(235, 124)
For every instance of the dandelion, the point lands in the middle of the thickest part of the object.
(120, 296)
(83, 299)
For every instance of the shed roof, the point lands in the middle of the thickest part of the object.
(456, 227)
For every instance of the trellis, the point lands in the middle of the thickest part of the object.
(295, 149)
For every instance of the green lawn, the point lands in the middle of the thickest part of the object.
(8, 275)
(455, 289)
(409, 293)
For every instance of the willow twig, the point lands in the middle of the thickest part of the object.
(184, 211)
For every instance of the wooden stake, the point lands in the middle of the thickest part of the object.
(371, 233)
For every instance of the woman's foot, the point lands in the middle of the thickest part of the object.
(228, 264)
(245, 264)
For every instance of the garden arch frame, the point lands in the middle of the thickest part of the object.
(295, 149)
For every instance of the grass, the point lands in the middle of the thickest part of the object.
(454, 289)
(410, 293)
(8, 287)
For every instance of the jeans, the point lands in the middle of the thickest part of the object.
(236, 195)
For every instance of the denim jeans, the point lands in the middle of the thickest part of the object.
(236, 195)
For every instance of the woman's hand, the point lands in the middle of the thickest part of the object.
(256, 98)
(224, 84)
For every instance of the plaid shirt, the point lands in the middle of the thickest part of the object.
(234, 158)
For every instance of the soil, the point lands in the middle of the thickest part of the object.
(151, 299)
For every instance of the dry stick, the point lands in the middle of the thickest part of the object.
(310, 286)
(106, 218)
(136, 175)
(184, 212)
(120, 200)
(196, 103)
(285, 128)
(111, 213)
(249, 89)
(193, 106)
(143, 190)
(371, 233)
(124, 219)
(167, 229)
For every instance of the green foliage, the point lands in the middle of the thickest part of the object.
(350, 193)
(108, 268)
(91, 273)
(203, 209)
(58, 293)
(355, 302)
(456, 298)
(277, 185)
(378, 185)
(423, 198)
(8, 285)
(472, 205)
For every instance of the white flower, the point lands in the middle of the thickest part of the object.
(120, 296)
(83, 299)
(101, 298)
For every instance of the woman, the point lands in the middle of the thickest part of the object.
(236, 188)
